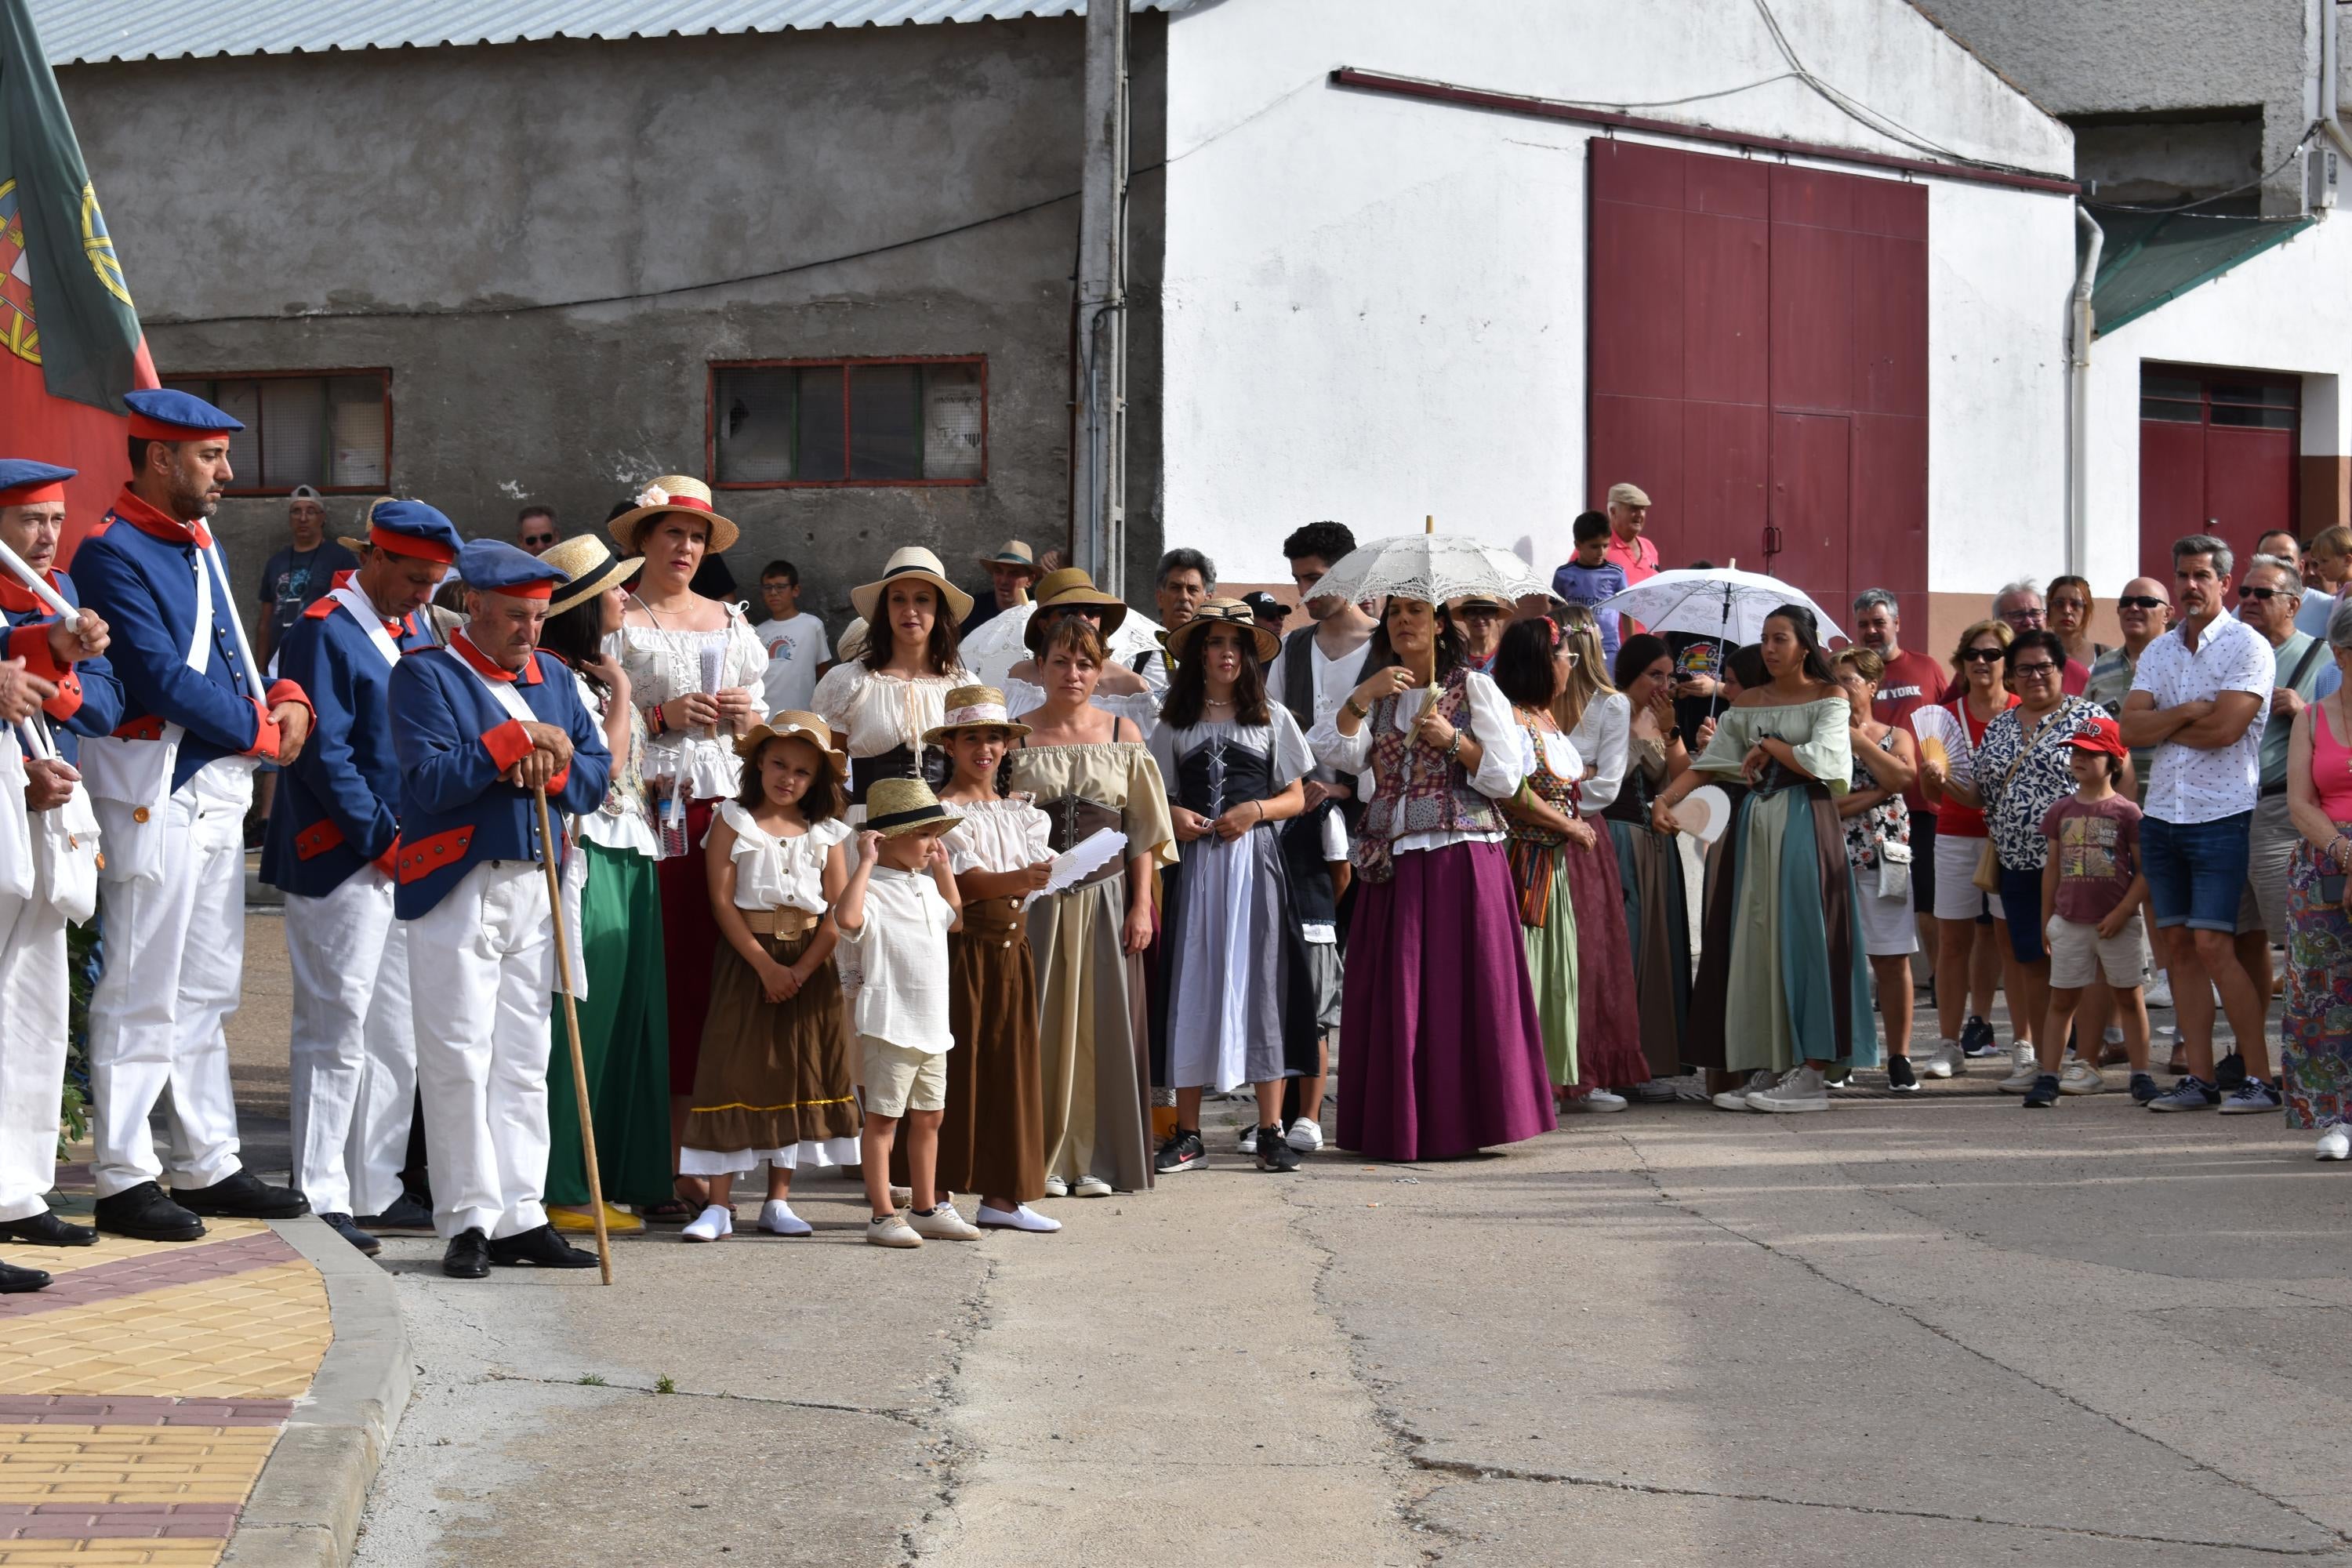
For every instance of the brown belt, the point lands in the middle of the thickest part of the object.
(783, 924)
(1074, 819)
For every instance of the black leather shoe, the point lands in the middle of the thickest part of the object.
(243, 1196)
(539, 1249)
(144, 1213)
(407, 1213)
(15, 1281)
(468, 1257)
(341, 1224)
(45, 1230)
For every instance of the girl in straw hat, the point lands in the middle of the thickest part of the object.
(774, 1082)
(695, 673)
(993, 1139)
(882, 700)
(1090, 770)
(1239, 1004)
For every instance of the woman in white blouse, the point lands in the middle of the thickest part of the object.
(1438, 1028)
(881, 700)
(1598, 720)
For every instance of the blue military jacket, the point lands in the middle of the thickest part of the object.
(89, 698)
(453, 740)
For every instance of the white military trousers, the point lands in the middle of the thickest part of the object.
(354, 1050)
(33, 991)
(485, 960)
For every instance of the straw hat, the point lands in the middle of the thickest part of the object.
(674, 492)
(917, 565)
(593, 569)
(894, 806)
(1067, 589)
(973, 707)
(1180, 642)
(1012, 552)
(792, 721)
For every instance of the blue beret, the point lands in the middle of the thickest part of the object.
(494, 567)
(160, 414)
(412, 527)
(23, 482)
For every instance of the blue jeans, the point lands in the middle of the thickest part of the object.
(2195, 870)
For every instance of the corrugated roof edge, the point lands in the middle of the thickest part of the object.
(982, 14)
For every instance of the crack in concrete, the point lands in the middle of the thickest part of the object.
(1649, 1173)
(907, 1417)
(955, 1454)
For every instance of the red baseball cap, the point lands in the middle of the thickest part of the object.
(2100, 735)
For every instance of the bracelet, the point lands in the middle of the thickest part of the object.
(659, 723)
(1355, 710)
(1454, 749)
(2336, 850)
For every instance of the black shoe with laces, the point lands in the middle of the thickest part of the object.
(146, 1212)
(341, 1224)
(2043, 1094)
(407, 1212)
(45, 1230)
(242, 1196)
(1900, 1078)
(467, 1256)
(1274, 1150)
(539, 1248)
(1977, 1038)
(18, 1281)
(1180, 1153)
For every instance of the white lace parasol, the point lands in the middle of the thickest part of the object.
(1430, 567)
(991, 652)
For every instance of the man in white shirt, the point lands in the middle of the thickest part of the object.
(797, 653)
(2199, 699)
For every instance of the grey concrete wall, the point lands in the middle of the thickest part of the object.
(441, 212)
(2106, 56)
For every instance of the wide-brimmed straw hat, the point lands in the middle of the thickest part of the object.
(799, 725)
(914, 563)
(894, 806)
(1181, 642)
(678, 493)
(1012, 552)
(1069, 588)
(593, 569)
(973, 707)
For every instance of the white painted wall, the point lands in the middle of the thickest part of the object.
(2287, 310)
(1374, 308)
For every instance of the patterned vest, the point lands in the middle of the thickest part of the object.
(1534, 851)
(1416, 788)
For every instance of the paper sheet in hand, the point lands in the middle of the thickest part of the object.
(1079, 861)
(714, 665)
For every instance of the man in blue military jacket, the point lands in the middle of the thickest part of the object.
(475, 727)
(85, 700)
(171, 786)
(332, 848)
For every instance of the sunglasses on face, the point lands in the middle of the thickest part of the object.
(2264, 594)
(1984, 656)
(2139, 602)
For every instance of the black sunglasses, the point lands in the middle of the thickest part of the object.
(2140, 602)
(2265, 595)
(1983, 656)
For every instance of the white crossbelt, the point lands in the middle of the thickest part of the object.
(355, 601)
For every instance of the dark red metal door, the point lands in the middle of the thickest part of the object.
(2217, 455)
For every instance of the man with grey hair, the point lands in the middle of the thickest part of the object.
(2268, 598)
(2200, 700)
(1185, 580)
(2020, 605)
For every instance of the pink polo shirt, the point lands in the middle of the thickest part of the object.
(1640, 559)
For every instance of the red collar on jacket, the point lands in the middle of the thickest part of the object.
(15, 597)
(147, 520)
(484, 665)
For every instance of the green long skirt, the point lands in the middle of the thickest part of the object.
(623, 1039)
(1552, 971)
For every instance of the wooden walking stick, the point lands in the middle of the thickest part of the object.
(571, 1033)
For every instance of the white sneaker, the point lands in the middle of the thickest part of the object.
(1800, 1089)
(1019, 1216)
(2334, 1141)
(891, 1230)
(1056, 1188)
(777, 1218)
(1091, 1186)
(1599, 1100)
(942, 1223)
(2080, 1077)
(1736, 1098)
(2028, 1069)
(2160, 990)
(1305, 1135)
(2023, 1057)
(716, 1221)
(1248, 1141)
(1945, 1060)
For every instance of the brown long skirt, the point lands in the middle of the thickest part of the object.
(774, 1082)
(992, 1142)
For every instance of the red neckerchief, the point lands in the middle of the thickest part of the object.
(147, 520)
(15, 597)
(488, 667)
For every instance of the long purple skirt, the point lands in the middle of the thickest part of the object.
(1440, 1053)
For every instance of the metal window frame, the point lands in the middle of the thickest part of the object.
(382, 373)
(844, 362)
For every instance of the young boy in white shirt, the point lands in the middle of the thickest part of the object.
(796, 642)
(896, 913)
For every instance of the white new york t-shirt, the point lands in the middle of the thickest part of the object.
(795, 648)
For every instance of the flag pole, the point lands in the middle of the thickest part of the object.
(41, 586)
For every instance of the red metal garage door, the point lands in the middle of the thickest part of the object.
(2217, 455)
(1759, 364)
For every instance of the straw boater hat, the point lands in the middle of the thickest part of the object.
(973, 707)
(1065, 589)
(918, 565)
(593, 569)
(1180, 642)
(673, 492)
(894, 806)
(791, 722)
(1013, 553)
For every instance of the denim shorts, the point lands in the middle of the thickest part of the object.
(2020, 894)
(2195, 870)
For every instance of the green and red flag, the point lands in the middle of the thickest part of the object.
(70, 339)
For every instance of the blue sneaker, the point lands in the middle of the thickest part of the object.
(2255, 1097)
(2143, 1088)
(1975, 1038)
(2191, 1093)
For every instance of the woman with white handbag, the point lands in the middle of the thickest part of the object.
(60, 839)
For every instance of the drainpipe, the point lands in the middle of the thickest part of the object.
(2078, 411)
(2330, 122)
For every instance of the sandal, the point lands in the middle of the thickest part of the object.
(672, 1210)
